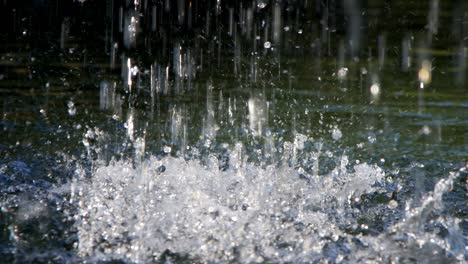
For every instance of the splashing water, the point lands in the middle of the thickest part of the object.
(246, 213)
(250, 213)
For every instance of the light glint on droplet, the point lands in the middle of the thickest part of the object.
(375, 89)
(167, 149)
(342, 72)
(267, 45)
(261, 5)
(337, 134)
(424, 74)
(129, 70)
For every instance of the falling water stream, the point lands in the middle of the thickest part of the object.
(247, 131)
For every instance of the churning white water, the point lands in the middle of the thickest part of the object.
(248, 213)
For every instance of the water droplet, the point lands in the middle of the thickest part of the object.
(336, 134)
(424, 73)
(342, 72)
(167, 149)
(267, 45)
(375, 89)
(425, 130)
(261, 5)
(392, 204)
(71, 108)
(134, 70)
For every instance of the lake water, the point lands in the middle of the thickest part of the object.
(250, 132)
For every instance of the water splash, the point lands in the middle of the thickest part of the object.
(245, 213)
(251, 213)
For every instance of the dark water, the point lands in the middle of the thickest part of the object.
(255, 131)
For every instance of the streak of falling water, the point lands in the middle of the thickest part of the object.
(381, 49)
(124, 68)
(177, 66)
(114, 49)
(154, 80)
(218, 7)
(181, 11)
(207, 23)
(128, 76)
(406, 53)
(140, 147)
(179, 128)
(177, 125)
(130, 124)
(253, 69)
(257, 107)
(248, 23)
(189, 15)
(154, 12)
(341, 55)
(209, 125)
(325, 30)
(237, 54)
(131, 29)
(153, 86)
(106, 95)
(64, 32)
(433, 19)
(165, 81)
(121, 19)
(460, 72)
(167, 6)
(341, 70)
(353, 11)
(277, 24)
(315, 158)
(231, 21)
(317, 60)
